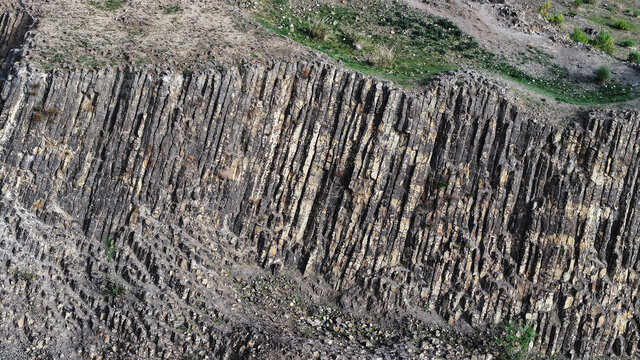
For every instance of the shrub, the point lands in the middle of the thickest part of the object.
(627, 43)
(577, 3)
(384, 57)
(603, 73)
(319, 31)
(579, 36)
(622, 25)
(515, 341)
(634, 57)
(557, 18)
(603, 41)
(544, 9)
(590, 1)
(636, 13)
(572, 13)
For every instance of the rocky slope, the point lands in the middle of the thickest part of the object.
(451, 202)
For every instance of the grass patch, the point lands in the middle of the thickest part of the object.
(406, 46)
(107, 5)
(113, 288)
(515, 340)
(24, 276)
(109, 248)
(627, 43)
(171, 9)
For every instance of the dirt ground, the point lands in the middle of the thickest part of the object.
(178, 34)
(513, 27)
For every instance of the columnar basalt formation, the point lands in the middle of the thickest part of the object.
(450, 201)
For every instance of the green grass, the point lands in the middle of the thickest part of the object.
(107, 5)
(171, 9)
(109, 248)
(420, 46)
(619, 25)
(514, 341)
(113, 288)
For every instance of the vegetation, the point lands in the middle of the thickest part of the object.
(24, 276)
(603, 41)
(622, 25)
(544, 9)
(171, 9)
(556, 18)
(634, 57)
(109, 248)
(319, 31)
(404, 45)
(627, 43)
(384, 57)
(515, 341)
(107, 5)
(579, 36)
(113, 288)
(603, 73)
(51, 112)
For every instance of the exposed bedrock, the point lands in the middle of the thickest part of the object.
(450, 201)
(13, 28)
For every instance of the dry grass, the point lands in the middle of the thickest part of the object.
(384, 57)
(319, 31)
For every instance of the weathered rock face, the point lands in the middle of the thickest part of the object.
(13, 27)
(450, 201)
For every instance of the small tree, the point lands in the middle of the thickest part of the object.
(603, 73)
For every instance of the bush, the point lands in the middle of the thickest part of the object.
(515, 340)
(590, 1)
(634, 57)
(627, 43)
(557, 18)
(577, 3)
(579, 36)
(603, 41)
(622, 25)
(603, 73)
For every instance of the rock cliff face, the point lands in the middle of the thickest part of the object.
(450, 201)
(13, 27)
